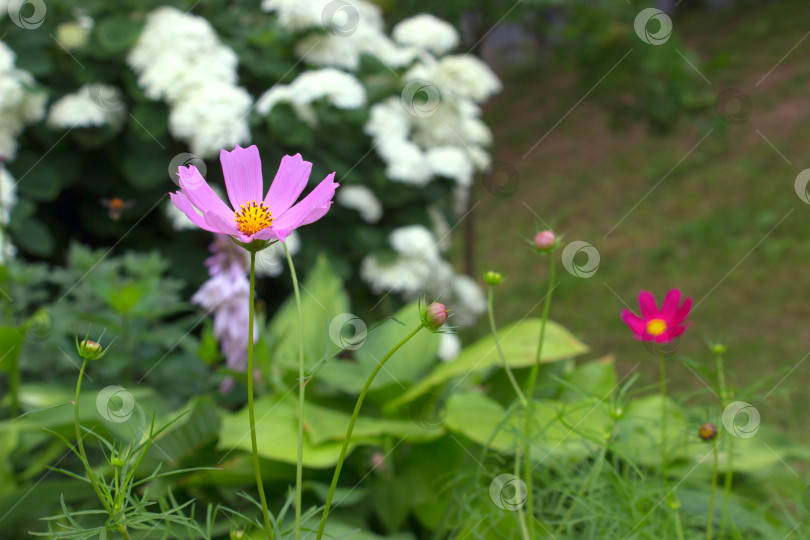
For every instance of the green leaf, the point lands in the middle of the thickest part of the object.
(32, 236)
(322, 299)
(407, 364)
(325, 429)
(519, 344)
(118, 33)
(591, 379)
(11, 344)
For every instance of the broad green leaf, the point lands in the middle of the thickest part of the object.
(591, 379)
(197, 428)
(322, 299)
(558, 429)
(407, 364)
(10, 346)
(277, 431)
(638, 432)
(519, 344)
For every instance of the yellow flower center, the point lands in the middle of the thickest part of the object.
(253, 217)
(656, 327)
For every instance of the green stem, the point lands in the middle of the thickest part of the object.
(710, 517)
(90, 474)
(662, 363)
(299, 466)
(678, 525)
(123, 531)
(251, 413)
(348, 437)
(524, 529)
(493, 329)
(529, 394)
(721, 378)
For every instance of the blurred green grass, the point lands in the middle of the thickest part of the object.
(724, 225)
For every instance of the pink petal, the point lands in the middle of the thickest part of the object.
(271, 233)
(290, 181)
(220, 224)
(310, 208)
(200, 193)
(185, 206)
(683, 312)
(646, 301)
(636, 323)
(242, 168)
(670, 306)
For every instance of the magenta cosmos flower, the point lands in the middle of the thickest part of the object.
(252, 214)
(659, 325)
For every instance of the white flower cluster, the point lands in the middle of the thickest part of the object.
(338, 88)
(20, 102)
(93, 105)
(418, 269)
(352, 29)
(426, 32)
(8, 198)
(180, 59)
(362, 199)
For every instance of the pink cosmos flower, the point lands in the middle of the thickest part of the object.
(252, 214)
(659, 325)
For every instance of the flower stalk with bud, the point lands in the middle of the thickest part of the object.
(433, 318)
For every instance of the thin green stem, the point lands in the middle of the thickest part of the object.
(662, 363)
(710, 517)
(251, 414)
(494, 330)
(355, 414)
(678, 525)
(90, 474)
(527, 418)
(524, 529)
(299, 466)
(124, 533)
(14, 384)
(721, 378)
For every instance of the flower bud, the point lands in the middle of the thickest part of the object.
(435, 316)
(493, 278)
(545, 240)
(116, 461)
(718, 348)
(237, 534)
(89, 350)
(707, 431)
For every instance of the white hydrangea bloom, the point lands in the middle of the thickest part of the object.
(362, 199)
(306, 14)
(177, 51)
(451, 162)
(337, 87)
(93, 105)
(449, 347)
(469, 300)
(270, 261)
(414, 241)
(211, 117)
(426, 32)
(7, 249)
(20, 102)
(180, 59)
(8, 194)
(388, 120)
(406, 162)
(458, 77)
